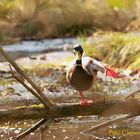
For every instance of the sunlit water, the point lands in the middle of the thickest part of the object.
(28, 48)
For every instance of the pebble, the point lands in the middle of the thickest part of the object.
(2, 136)
(66, 137)
(17, 131)
(64, 130)
(12, 128)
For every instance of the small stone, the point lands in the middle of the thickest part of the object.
(66, 137)
(11, 138)
(12, 128)
(17, 131)
(49, 131)
(63, 130)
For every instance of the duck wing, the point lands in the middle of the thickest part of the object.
(91, 65)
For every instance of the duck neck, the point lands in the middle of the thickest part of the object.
(79, 62)
(78, 59)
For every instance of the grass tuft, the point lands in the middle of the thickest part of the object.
(117, 49)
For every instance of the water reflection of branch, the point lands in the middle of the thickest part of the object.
(132, 95)
(110, 122)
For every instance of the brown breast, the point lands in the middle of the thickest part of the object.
(79, 79)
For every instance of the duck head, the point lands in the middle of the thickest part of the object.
(78, 52)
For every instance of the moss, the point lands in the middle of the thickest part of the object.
(4, 82)
(37, 106)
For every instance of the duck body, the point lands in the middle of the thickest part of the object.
(78, 78)
(81, 75)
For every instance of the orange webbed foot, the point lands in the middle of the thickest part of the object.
(86, 102)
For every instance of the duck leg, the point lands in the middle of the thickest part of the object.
(84, 101)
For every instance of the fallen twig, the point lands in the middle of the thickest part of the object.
(33, 128)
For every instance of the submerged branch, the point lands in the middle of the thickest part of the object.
(109, 122)
(71, 109)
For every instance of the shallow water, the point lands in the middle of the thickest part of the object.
(28, 48)
(65, 128)
(73, 128)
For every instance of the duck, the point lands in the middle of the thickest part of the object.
(83, 70)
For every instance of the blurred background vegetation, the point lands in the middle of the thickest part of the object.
(37, 19)
(112, 25)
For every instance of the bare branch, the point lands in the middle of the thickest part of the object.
(21, 72)
(31, 90)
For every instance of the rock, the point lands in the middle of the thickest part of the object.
(9, 92)
(53, 88)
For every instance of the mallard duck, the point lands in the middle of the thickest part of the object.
(82, 71)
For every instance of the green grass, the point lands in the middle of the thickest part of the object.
(115, 48)
(121, 4)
